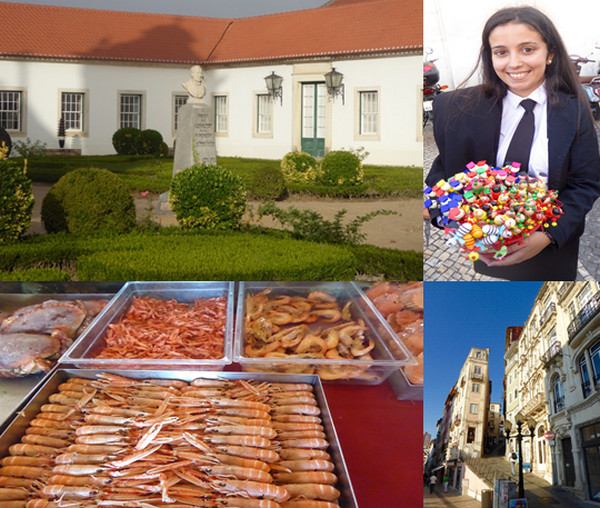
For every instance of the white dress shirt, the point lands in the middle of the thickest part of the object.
(512, 113)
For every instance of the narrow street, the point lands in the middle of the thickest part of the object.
(539, 493)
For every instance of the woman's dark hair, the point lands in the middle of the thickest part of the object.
(560, 74)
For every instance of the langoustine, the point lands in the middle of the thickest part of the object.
(152, 455)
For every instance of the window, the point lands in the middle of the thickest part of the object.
(11, 110)
(477, 370)
(558, 394)
(474, 409)
(130, 110)
(595, 358)
(221, 124)
(478, 354)
(584, 296)
(475, 388)
(178, 101)
(585, 377)
(73, 111)
(515, 395)
(572, 311)
(263, 114)
(470, 435)
(369, 112)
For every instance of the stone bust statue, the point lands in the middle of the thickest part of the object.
(195, 85)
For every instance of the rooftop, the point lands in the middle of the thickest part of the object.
(339, 28)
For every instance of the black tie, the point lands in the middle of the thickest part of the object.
(520, 144)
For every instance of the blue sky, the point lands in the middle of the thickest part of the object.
(462, 315)
(205, 8)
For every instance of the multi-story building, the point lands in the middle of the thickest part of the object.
(471, 405)
(493, 435)
(552, 384)
(572, 384)
(512, 380)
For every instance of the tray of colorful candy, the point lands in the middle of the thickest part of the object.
(486, 209)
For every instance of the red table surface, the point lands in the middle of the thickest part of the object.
(381, 439)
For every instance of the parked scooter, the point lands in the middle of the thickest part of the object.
(431, 86)
(590, 84)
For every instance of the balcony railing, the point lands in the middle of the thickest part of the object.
(559, 404)
(589, 310)
(477, 375)
(553, 351)
(549, 310)
(534, 404)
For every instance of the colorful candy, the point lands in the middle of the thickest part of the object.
(484, 209)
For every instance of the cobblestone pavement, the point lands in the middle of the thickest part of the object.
(442, 264)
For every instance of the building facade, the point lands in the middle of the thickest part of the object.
(552, 379)
(127, 70)
(572, 385)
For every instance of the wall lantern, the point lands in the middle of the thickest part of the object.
(333, 81)
(274, 86)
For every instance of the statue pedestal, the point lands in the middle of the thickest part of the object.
(195, 143)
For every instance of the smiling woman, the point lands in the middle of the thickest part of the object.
(528, 109)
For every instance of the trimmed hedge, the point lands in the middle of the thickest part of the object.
(340, 168)
(207, 198)
(268, 184)
(35, 274)
(87, 200)
(299, 167)
(390, 264)
(16, 201)
(222, 257)
(124, 140)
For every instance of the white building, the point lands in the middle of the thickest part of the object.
(102, 70)
(572, 365)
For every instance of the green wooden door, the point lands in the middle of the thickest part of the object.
(314, 96)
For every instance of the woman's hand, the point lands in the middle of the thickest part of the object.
(426, 215)
(521, 251)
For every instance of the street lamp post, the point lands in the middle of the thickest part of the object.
(519, 422)
(531, 423)
(507, 429)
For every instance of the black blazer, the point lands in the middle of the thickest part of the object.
(467, 128)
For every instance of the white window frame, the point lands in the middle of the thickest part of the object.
(221, 117)
(474, 409)
(83, 131)
(178, 99)
(265, 98)
(22, 109)
(142, 112)
(359, 133)
(475, 388)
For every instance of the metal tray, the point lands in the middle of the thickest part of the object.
(19, 421)
(389, 353)
(81, 354)
(14, 390)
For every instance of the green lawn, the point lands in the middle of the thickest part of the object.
(144, 173)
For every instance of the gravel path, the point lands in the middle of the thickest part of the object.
(401, 231)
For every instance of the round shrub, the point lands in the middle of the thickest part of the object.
(207, 197)
(341, 168)
(299, 167)
(268, 184)
(164, 149)
(124, 140)
(16, 201)
(148, 142)
(87, 200)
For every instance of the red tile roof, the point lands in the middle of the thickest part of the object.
(344, 27)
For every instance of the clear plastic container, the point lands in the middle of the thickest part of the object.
(388, 355)
(83, 352)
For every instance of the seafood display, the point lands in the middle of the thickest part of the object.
(32, 337)
(116, 441)
(154, 328)
(310, 332)
(401, 304)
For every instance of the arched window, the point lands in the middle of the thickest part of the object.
(595, 358)
(558, 394)
(585, 377)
